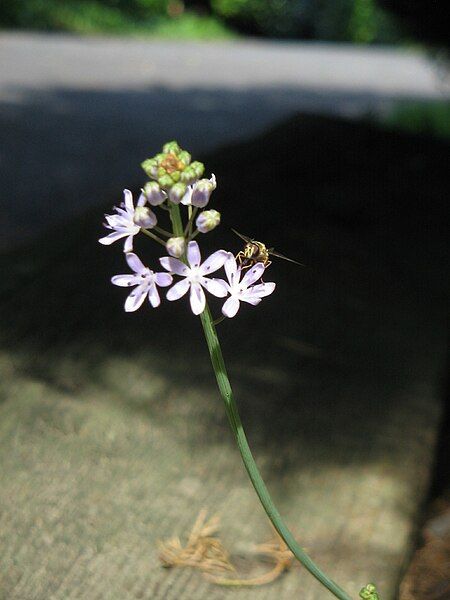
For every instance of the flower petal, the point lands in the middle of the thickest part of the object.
(253, 300)
(193, 254)
(197, 298)
(231, 306)
(230, 268)
(112, 237)
(124, 280)
(141, 200)
(216, 287)
(261, 290)
(253, 275)
(178, 290)
(153, 296)
(213, 262)
(186, 199)
(128, 200)
(128, 246)
(174, 265)
(136, 298)
(163, 279)
(134, 262)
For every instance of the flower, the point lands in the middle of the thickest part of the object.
(244, 291)
(198, 193)
(207, 220)
(128, 221)
(146, 282)
(195, 276)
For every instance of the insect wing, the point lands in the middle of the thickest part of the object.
(242, 236)
(272, 252)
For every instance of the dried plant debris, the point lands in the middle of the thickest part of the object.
(204, 551)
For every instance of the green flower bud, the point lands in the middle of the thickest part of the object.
(188, 175)
(198, 167)
(176, 246)
(207, 220)
(165, 181)
(171, 148)
(185, 157)
(150, 166)
(177, 192)
(176, 176)
(161, 172)
(369, 592)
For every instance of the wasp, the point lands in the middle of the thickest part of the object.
(257, 252)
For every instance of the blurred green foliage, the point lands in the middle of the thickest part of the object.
(360, 21)
(430, 118)
(132, 17)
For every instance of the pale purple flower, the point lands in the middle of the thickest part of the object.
(194, 276)
(244, 290)
(146, 282)
(198, 193)
(128, 221)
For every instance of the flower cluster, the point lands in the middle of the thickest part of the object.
(175, 180)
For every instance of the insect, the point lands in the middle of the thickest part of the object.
(257, 252)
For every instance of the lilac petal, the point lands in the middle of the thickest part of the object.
(134, 263)
(231, 306)
(113, 237)
(153, 296)
(253, 275)
(174, 265)
(230, 267)
(136, 298)
(214, 262)
(261, 290)
(142, 200)
(124, 280)
(186, 199)
(253, 300)
(197, 298)
(178, 290)
(216, 287)
(128, 198)
(163, 279)
(193, 254)
(128, 246)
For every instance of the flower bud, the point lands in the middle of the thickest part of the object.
(185, 157)
(176, 246)
(188, 176)
(202, 191)
(198, 168)
(171, 148)
(150, 166)
(153, 193)
(165, 181)
(144, 217)
(177, 192)
(207, 220)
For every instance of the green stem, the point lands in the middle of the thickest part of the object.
(238, 430)
(153, 236)
(249, 462)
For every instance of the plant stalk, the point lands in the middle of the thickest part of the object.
(236, 425)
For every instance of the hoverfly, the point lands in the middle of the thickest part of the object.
(257, 252)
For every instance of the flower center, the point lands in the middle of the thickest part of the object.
(171, 163)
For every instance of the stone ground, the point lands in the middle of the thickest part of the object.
(112, 432)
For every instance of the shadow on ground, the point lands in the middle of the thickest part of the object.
(336, 374)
